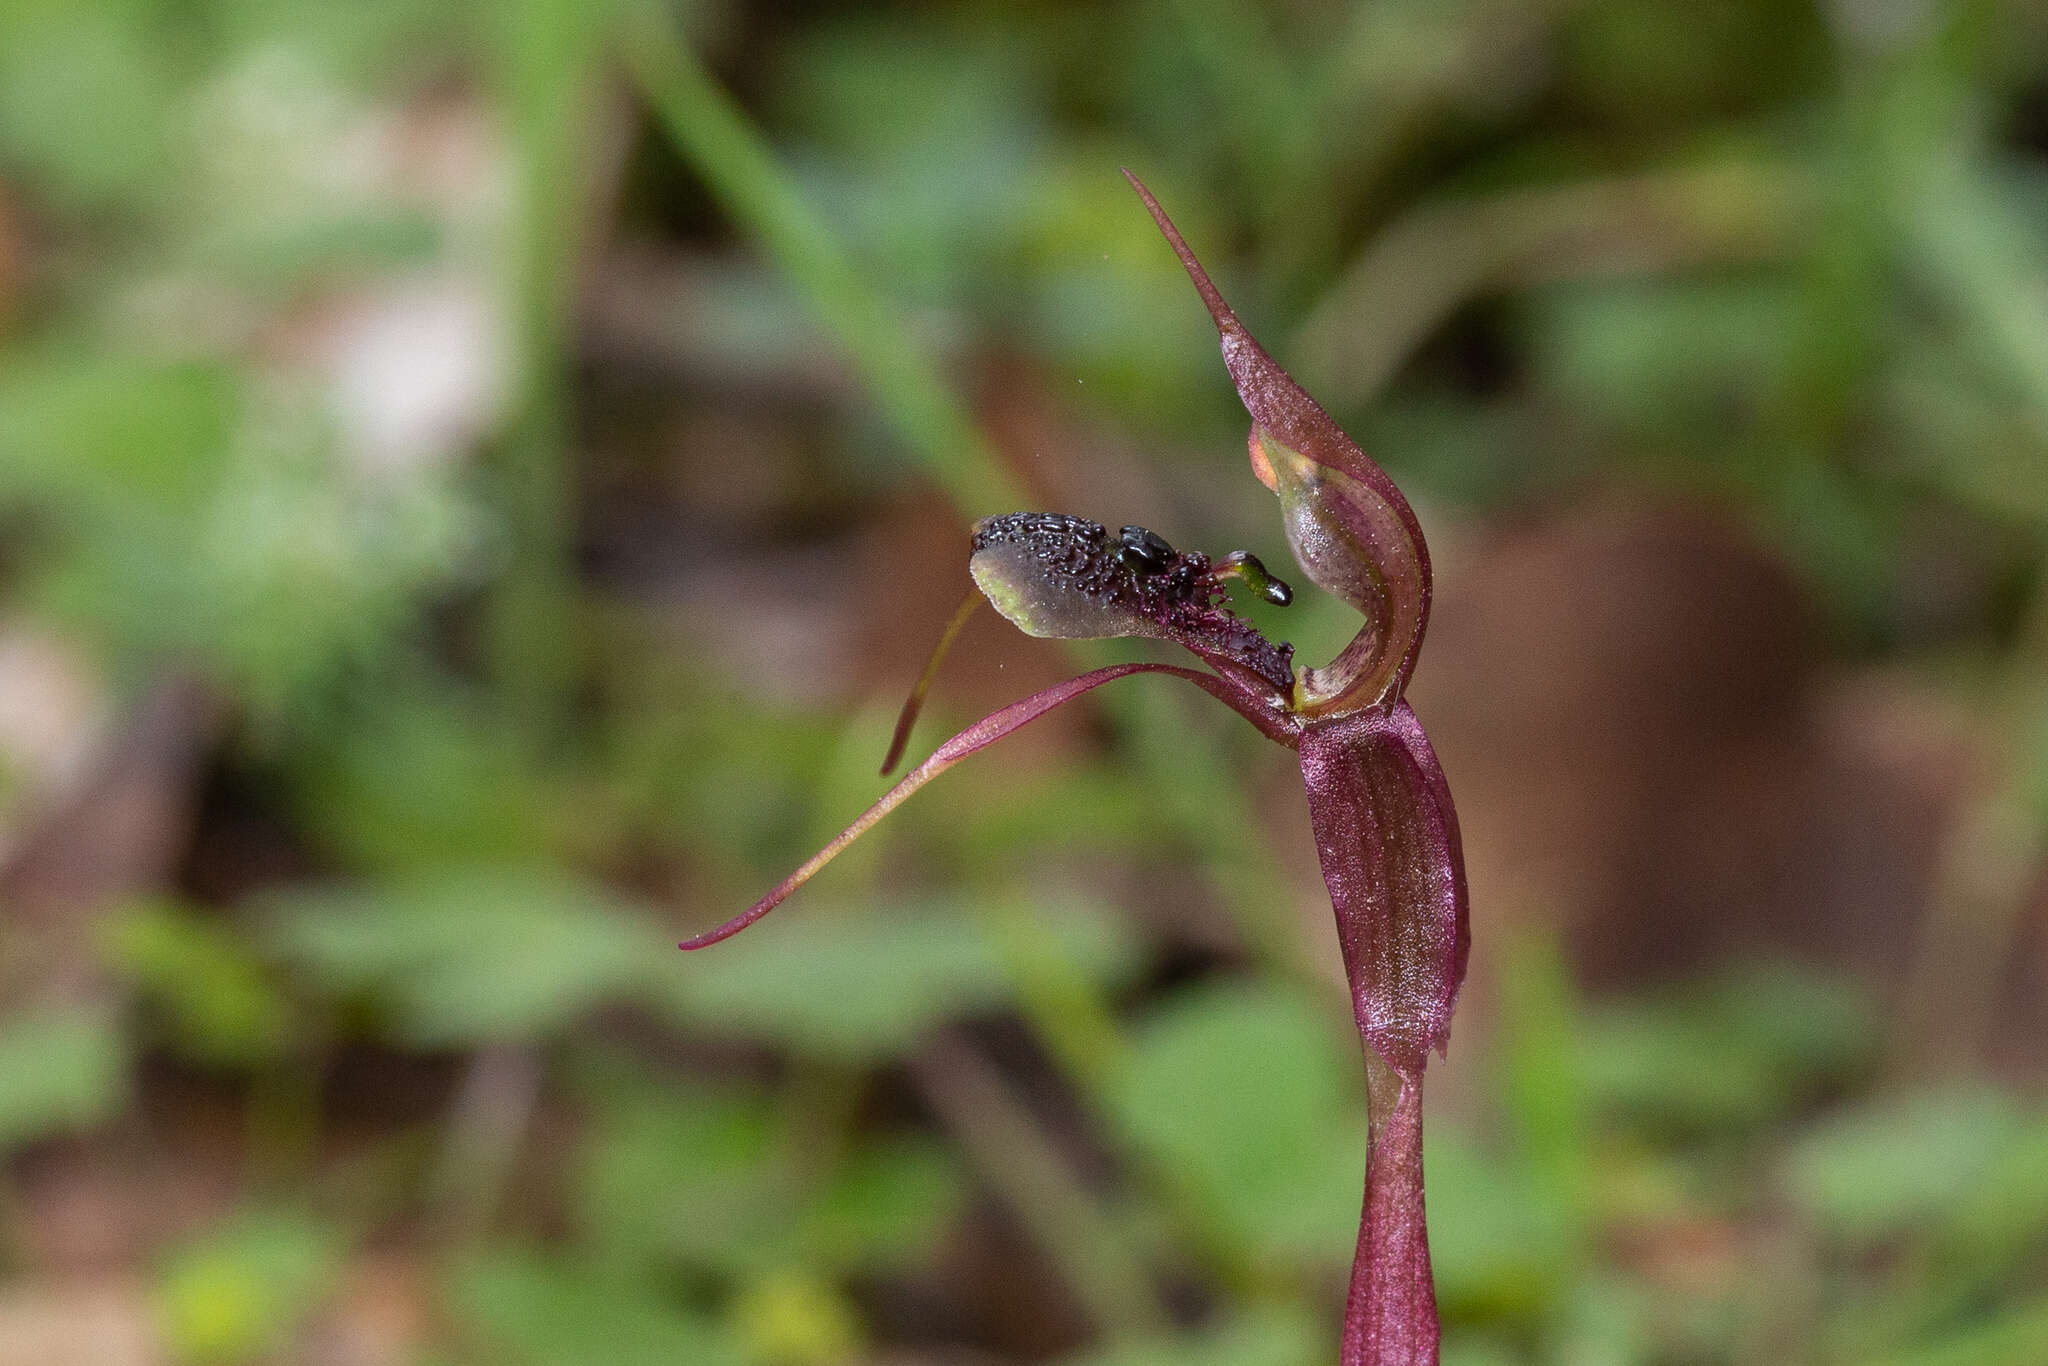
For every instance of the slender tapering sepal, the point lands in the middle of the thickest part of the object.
(979, 736)
(1350, 527)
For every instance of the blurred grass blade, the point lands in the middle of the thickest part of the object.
(1092, 1247)
(741, 171)
(546, 55)
(1414, 275)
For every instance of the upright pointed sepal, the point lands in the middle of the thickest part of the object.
(1353, 532)
(1387, 836)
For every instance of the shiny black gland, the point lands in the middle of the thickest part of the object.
(1142, 550)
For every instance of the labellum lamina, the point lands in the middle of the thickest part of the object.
(1066, 578)
(1381, 813)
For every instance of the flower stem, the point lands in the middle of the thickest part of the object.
(1390, 1314)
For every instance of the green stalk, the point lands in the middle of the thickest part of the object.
(740, 169)
(546, 55)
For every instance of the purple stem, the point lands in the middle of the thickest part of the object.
(1390, 1314)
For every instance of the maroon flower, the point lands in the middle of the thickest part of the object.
(1380, 809)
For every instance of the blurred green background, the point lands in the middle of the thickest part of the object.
(476, 479)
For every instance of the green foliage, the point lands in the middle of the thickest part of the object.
(795, 1320)
(2014, 1339)
(236, 1294)
(886, 1207)
(1250, 1099)
(1895, 1166)
(724, 1182)
(529, 1309)
(1500, 1249)
(188, 519)
(466, 957)
(1728, 1054)
(486, 740)
(686, 1180)
(2002, 1216)
(110, 59)
(429, 778)
(1269, 1338)
(219, 1003)
(61, 1069)
(861, 985)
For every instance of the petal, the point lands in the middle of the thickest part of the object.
(1350, 527)
(981, 734)
(1357, 546)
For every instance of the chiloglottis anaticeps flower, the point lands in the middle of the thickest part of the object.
(1378, 804)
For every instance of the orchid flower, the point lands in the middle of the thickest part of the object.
(1378, 804)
